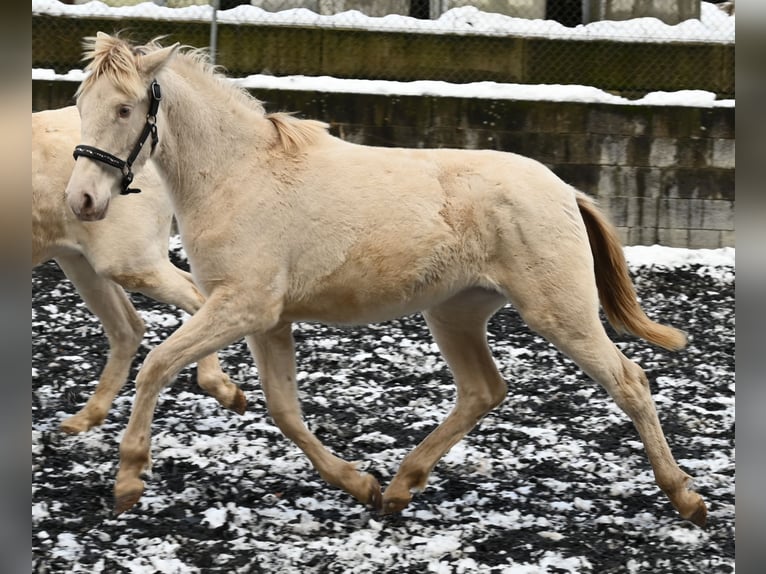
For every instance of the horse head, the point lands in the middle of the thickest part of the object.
(118, 104)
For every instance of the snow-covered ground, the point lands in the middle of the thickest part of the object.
(554, 480)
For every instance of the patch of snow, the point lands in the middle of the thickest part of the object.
(439, 88)
(215, 517)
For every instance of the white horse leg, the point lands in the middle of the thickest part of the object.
(275, 356)
(459, 329)
(124, 330)
(218, 323)
(168, 284)
(566, 313)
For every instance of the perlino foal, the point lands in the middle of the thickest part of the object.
(128, 251)
(283, 222)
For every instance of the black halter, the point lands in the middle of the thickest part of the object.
(150, 128)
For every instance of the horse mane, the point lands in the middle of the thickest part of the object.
(294, 133)
(119, 61)
(113, 57)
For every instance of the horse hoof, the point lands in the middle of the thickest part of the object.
(128, 495)
(392, 504)
(699, 516)
(76, 424)
(239, 404)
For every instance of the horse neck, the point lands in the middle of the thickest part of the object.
(204, 129)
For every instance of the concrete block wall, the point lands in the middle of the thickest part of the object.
(665, 175)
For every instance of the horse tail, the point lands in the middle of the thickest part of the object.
(615, 287)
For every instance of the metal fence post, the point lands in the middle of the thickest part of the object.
(214, 30)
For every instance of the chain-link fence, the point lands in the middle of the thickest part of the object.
(627, 47)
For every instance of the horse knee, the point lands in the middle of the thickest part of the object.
(155, 373)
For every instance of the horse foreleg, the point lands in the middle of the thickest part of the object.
(275, 357)
(169, 284)
(124, 330)
(459, 329)
(216, 324)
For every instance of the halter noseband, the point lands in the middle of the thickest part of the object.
(150, 128)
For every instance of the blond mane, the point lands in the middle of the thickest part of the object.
(115, 59)
(120, 61)
(296, 134)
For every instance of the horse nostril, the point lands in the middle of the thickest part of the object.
(87, 201)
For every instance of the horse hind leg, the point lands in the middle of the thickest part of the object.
(124, 330)
(566, 313)
(459, 329)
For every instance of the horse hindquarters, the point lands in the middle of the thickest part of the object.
(553, 288)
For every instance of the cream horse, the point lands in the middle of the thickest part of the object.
(283, 222)
(128, 251)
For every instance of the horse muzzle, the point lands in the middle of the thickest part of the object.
(86, 207)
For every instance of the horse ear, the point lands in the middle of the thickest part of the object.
(153, 62)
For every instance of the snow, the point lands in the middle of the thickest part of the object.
(714, 25)
(670, 257)
(719, 262)
(484, 90)
(438, 88)
(560, 495)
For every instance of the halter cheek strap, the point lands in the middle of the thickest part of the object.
(150, 129)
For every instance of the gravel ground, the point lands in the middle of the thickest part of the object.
(555, 480)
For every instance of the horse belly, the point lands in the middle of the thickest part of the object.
(351, 306)
(374, 289)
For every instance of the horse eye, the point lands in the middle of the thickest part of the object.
(124, 112)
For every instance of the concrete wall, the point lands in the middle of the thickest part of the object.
(664, 174)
